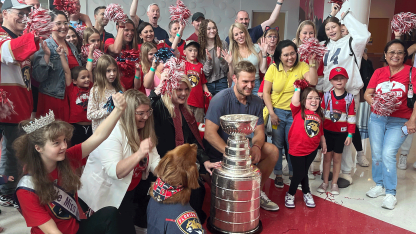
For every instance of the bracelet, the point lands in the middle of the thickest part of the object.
(136, 77)
(329, 16)
(297, 89)
(257, 147)
(312, 65)
(350, 135)
(178, 35)
(264, 56)
(90, 60)
(279, 3)
(121, 26)
(152, 69)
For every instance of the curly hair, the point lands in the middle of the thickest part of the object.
(203, 40)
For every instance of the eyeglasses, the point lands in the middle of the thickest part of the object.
(20, 14)
(271, 37)
(392, 53)
(59, 24)
(313, 99)
(142, 113)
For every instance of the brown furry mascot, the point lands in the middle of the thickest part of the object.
(169, 210)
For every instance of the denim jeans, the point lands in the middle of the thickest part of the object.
(279, 137)
(256, 86)
(218, 85)
(386, 137)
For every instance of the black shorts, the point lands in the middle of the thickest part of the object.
(335, 141)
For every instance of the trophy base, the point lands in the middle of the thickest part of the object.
(215, 230)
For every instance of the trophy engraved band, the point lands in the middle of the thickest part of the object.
(235, 190)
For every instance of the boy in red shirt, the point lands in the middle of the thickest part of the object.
(198, 81)
(339, 125)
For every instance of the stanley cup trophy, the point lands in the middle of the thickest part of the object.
(235, 190)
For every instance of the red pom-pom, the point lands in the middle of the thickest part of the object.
(311, 47)
(69, 6)
(179, 12)
(80, 30)
(127, 60)
(339, 2)
(39, 23)
(403, 22)
(302, 84)
(85, 50)
(175, 70)
(385, 104)
(6, 106)
(115, 13)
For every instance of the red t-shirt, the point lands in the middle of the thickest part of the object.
(197, 78)
(192, 37)
(36, 214)
(180, 47)
(78, 103)
(304, 135)
(72, 61)
(341, 124)
(400, 80)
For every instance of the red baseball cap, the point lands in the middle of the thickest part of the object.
(338, 71)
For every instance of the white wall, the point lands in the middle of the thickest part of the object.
(223, 12)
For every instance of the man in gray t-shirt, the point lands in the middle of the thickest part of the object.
(240, 100)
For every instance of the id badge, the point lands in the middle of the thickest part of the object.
(386, 87)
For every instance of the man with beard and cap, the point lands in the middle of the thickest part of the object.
(153, 12)
(257, 32)
(196, 21)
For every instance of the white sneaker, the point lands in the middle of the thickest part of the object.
(286, 170)
(266, 203)
(318, 156)
(362, 161)
(389, 202)
(402, 165)
(311, 176)
(376, 191)
(289, 201)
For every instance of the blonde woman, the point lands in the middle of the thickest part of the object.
(116, 167)
(242, 48)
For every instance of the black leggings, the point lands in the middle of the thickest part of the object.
(104, 221)
(300, 165)
(356, 140)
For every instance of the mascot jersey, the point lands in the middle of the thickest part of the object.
(172, 219)
(197, 78)
(304, 135)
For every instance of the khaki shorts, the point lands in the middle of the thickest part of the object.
(198, 113)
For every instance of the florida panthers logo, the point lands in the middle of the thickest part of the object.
(58, 211)
(188, 223)
(335, 115)
(312, 123)
(193, 77)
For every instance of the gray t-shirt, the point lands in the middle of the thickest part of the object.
(254, 59)
(226, 103)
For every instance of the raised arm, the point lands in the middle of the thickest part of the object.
(263, 55)
(321, 31)
(228, 57)
(150, 75)
(296, 97)
(90, 61)
(115, 48)
(312, 74)
(86, 19)
(106, 127)
(133, 15)
(273, 16)
(359, 32)
(41, 63)
(178, 38)
(65, 66)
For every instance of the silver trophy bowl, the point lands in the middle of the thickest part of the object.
(235, 190)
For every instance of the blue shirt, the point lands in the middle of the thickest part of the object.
(255, 34)
(226, 103)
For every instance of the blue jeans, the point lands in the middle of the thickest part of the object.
(279, 137)
(386, 137)
(256, 86)
(218, 85)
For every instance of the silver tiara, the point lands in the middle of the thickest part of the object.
(39, 123)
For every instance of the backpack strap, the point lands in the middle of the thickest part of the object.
(352, 52)
(327, 98)
(348, 101)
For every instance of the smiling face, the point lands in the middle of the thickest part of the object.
(272, 38)
(143, 113)
(333, 31)
(196, 23)
(344, 30)
(100, 19)
(153, 14)
(111, 73)
(147, 34)
(61, 27)
(395, 55)
(239, 36)
(339, 82)
(128, 33)
(211, 30)
(15, 20)
(306, 32)
(83, 80)
(312, 101)
(181, 94)
(243, 18)
(71, 37)
(288, 57)
(244, 83)
(53, 151)
(94, 39)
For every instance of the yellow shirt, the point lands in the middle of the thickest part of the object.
(281, 94)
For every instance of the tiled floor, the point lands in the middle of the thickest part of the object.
(349, 212)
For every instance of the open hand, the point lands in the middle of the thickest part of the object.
(45, 47)
(209, 57)
(60, 50)
(209, 166)
(227, 56)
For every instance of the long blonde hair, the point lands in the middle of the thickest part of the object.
(134, 99)
(234, 48)
(167, 100)
(297, 41)
(100, 78)
(144, 51)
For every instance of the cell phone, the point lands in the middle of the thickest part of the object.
(404, 130)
